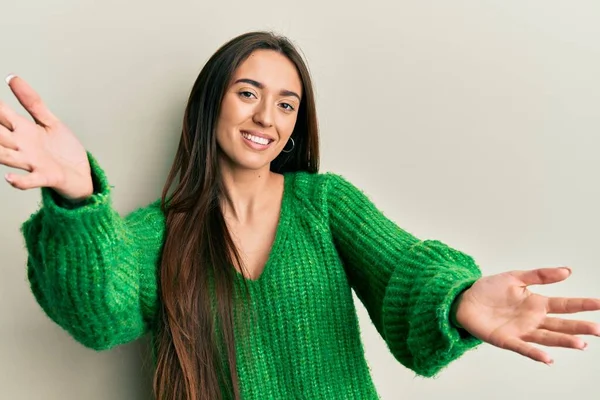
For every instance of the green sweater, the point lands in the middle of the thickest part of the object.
(94, 273)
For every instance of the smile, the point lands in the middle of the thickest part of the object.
(256, 141)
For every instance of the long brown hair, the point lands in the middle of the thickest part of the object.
(195, 348)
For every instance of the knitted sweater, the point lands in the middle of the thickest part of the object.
(94, 273)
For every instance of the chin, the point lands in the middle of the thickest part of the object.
(254, 166)
(250, 162)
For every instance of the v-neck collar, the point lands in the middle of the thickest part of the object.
(280, 234)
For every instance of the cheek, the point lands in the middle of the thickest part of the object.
(228, 119)
(233, 112)
(286, 127)
(227, 115)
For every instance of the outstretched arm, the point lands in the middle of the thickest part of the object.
(407, 285)
(91, 271)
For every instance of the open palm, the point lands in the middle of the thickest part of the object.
(502, 311)
(45, 148)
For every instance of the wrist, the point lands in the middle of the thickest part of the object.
(74, 194)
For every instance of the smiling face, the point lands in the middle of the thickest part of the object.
(259, 110)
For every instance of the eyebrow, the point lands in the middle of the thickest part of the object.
(259, 85)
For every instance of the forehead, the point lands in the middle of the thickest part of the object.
(274, 70)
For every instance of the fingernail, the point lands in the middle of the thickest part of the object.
(9, 78)
(7, 177)
(585, 345)
(568, 269)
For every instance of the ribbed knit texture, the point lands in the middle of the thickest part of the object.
(93, 272)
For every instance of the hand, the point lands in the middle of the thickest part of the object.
(45, 148)
(500, 310)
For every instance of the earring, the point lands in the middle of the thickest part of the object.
(290, 150)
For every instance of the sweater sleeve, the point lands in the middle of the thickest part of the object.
(92, 271)
(407, 285)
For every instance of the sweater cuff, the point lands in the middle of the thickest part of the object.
(420, 327)
(61, 209)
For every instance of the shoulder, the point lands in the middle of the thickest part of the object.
(318, 183)
(318, 189)
(148, 220)
(307, 185)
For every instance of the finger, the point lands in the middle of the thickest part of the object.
(571, 327)
(12, 158)
(555, 339)
(567, 305)
(8, 117)
(31, 101)
(7, 139)
(24, 182)
(527, 350)
(542, 276)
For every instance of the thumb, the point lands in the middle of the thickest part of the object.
(31, 101)
(24, 182)
(543, 276)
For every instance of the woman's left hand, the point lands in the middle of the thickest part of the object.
(500, 310)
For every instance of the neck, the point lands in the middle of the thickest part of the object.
(246, 191)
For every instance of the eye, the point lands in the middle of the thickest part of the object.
(287, 107)
(246, 94)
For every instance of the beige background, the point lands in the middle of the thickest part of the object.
(474, 122)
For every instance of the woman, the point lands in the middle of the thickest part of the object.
(243, 271)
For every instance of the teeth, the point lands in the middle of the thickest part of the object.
(255, 139)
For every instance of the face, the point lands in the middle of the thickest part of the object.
(259, 110)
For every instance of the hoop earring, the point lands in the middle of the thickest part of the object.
(290, 150)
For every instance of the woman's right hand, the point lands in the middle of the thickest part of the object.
(45, 148)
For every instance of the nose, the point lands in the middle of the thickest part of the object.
(263, 114)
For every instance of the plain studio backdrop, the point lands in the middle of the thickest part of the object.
(473, 122)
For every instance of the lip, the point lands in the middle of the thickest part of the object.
(253, 145)
(258, 134)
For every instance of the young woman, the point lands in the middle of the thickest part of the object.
(243, 270)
